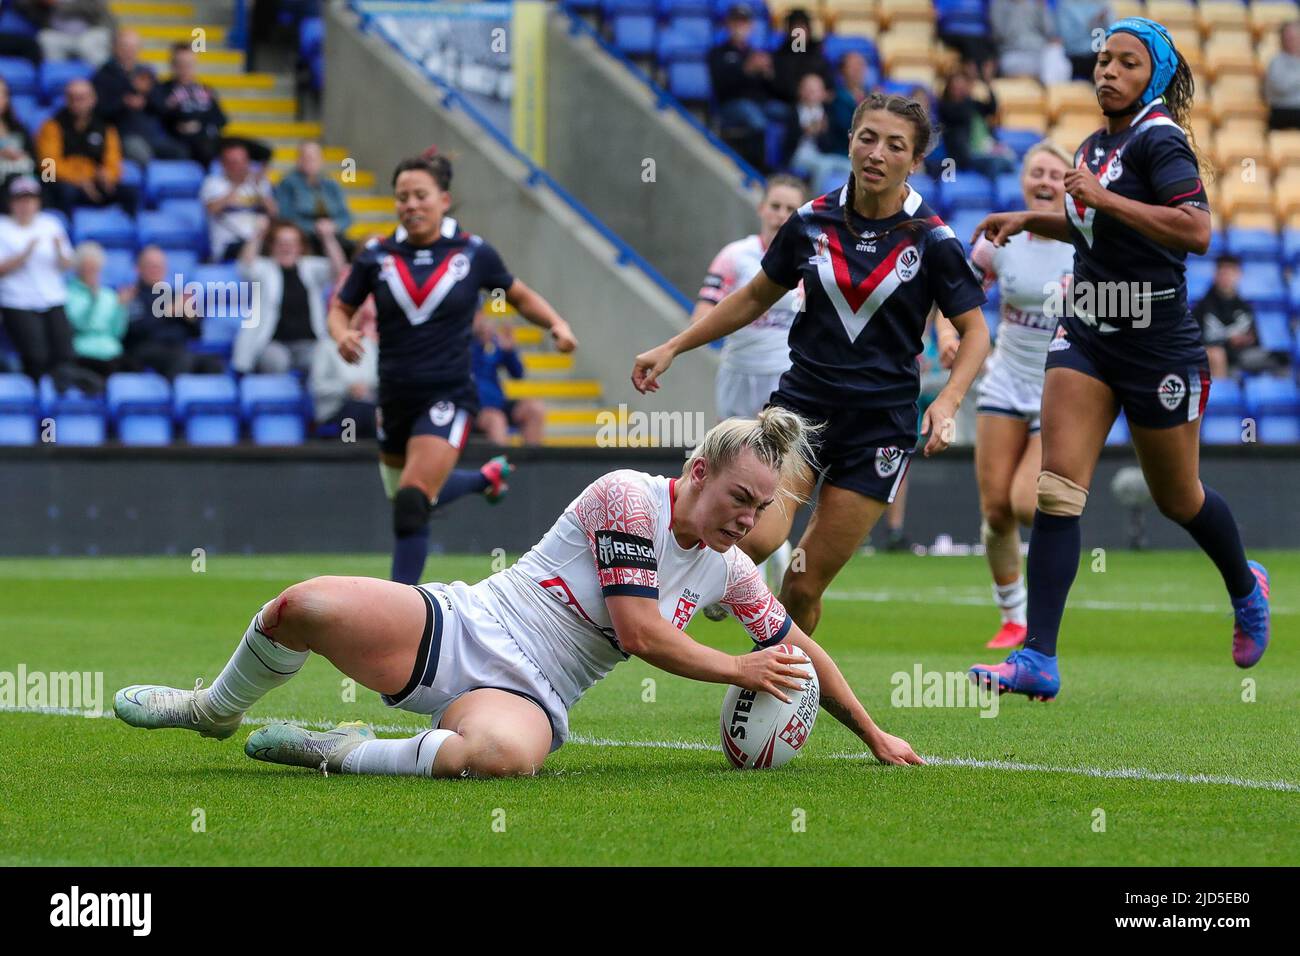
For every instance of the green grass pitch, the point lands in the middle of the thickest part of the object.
(1151, 706)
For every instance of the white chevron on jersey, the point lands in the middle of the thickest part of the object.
(419, 303)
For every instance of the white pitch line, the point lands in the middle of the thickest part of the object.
(581, 740)
(941, 597)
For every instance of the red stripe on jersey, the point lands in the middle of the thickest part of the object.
(855, 295)
(419, 293)
(1205, 390)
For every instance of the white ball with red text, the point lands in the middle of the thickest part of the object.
(761, 731)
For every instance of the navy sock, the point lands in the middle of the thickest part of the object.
(1054, 546)
(462, 481)
(409, 552)
(1216, 532)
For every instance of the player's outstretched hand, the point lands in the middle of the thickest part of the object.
(894, 750)
(350, 346)
(770, 670)
(940, 424)
(998, 227)
(649, 366)
(563, 337)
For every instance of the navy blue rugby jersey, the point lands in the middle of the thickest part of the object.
(425, 297)
(867, 297)
(1150, 162)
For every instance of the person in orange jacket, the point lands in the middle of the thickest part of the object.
(86, 153)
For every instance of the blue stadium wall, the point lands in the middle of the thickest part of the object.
(107, 501)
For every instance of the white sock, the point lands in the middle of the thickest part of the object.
(412, 757)
(774, 568)
(257, 666)
(1012, 599)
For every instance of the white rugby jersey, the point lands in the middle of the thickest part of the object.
(763, 346)
(616, 539)
(1028, 270)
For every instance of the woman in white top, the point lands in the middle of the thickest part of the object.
(34, 254)
(1008, 449)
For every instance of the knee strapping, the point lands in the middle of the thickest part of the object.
(411, 511)
(392, 479)
(1058, 495)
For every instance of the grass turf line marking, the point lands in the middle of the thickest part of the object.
(581, 740)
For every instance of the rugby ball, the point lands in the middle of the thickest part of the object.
(761, 731)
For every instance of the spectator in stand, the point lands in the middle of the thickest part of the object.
(798, 55)
(86, 152)
(1025, 36)
(1228, 325)
(852, 89)
(124, 88)
(818, 155)
(966, 120)
(744, 87)
(190, 110)
(97, 315)
(34, 254)
(291, 301)
(162, 321)
(1077, 23)
(343, 392)
(17, 151)
(1282, 81)
(70, 29)
(235, 198)
(307, 196)
(492, 350)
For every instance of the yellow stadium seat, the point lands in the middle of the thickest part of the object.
(1071, 133)
(1128, 8)
(1217, 14)
(1284, 148)
(1237, 194)
(919, 74)
(857, 25)
(1077, 97)
(1019, 93)
(1228, 56)
(1230, 149)
(1267, 46)
(1253, 219)
(905, 49)
(892, 12)
(1174, 14)
(1024, 119)
(1286, 197)
(837, 6)
(1232, 98)
(917, 29)
(1267, 17)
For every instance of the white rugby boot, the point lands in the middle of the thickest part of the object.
(153, 706)
(299, 747)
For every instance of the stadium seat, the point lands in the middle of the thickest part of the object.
(111, 227)
(11, 21)
(1274, 331)
(1019, 140)
(1279, 430)
(119, 268)
(1293, 292)
(1200, 276)
(1225, 398)
(688, 80)
(1289, 251)
(1259, 244)
(1270, 395)
(57, 74)
(634, 34)
(685, 8)
(207, 408)
(1262, 285)
(20, 76)
(132, 175)
(1006, 192)
(172, 230)
(18, 410)
(140, 404)
(835, 46)
(684, 38)
(927, 186)
(963, 223)
(172, 179)
(274, 407)
(1221, 429)
(181, 261)
(966, 190)
(79, 419)
(615, 8)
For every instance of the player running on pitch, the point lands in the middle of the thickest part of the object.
(1135, 207)
(499, 664)
(426, 282)
(1008, 447)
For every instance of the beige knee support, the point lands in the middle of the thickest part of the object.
(1060, 496)
(391, 477)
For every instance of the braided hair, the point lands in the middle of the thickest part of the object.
(1178, 97)
(922, 133)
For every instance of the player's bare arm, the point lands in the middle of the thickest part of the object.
(539, 312)
(971, 352)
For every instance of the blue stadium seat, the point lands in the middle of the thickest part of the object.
(830, 182)
(688, 80)
(1225, 398)
(1119, 434)
(111, 227)
(963, 25)
(1200, 276)
(613, 8)
(1217, 244)
(1262, 285)
(20, 75)
(183, 261)
(119, 268)
(11, 21)
(57, 74)
(140, 404)
(1291, 248)
(79, 419)
(1007, 193)
(18, 410)
(684, 38)
(1254, 244)
(311, 37)
(963, 223)
(165, 228)
(172, 179)
(634, 34)
(274, 406)
(1274, 331)
(925, 185)
(1293, 292)
(581, 6)
(1279, 430)
(132, 175)
(1221, 429)
(835, 46)
(207, 407)
(685, 8)
(966, 190)
(1268, 395)
(1019, 140)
